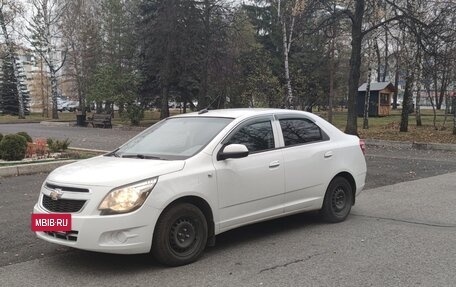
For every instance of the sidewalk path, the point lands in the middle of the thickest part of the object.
(91, 138)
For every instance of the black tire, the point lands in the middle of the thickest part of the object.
(338, 200)
(180, 235)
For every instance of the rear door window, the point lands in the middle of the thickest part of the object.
(300, 131)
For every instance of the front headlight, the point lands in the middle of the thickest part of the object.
(127, 198)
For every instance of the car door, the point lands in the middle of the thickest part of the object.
(307, 156)
(251, 188)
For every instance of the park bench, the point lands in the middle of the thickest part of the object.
(100, 120)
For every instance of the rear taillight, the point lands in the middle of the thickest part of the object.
(362, 145)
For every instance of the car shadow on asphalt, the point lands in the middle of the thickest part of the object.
(79, 261)
(265, 230)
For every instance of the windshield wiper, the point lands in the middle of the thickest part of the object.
(141, 156)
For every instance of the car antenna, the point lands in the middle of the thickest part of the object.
(205, 110)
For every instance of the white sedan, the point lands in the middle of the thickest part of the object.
(174, 187)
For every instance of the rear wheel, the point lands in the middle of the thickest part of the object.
(180, 235)
(338, 200)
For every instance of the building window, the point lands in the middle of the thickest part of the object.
(384, 99)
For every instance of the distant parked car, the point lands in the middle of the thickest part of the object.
(174, 187)
(61, 104)
(72, 106)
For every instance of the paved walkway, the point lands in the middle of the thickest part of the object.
(92, 138)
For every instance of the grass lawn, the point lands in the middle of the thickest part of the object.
(387, 128)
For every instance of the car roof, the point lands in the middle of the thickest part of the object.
(240, 113)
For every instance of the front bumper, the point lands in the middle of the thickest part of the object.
(129, 233)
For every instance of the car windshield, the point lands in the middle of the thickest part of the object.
(174, 138)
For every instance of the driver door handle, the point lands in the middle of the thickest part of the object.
(328, 154)
(275, 163)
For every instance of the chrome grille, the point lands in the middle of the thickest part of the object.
(62, 205)
(66, 188)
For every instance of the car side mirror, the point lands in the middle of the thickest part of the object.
(233, 151)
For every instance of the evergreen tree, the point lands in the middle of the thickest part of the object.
(8, 88)
(171, 51)
(9, 96)
(22, 84)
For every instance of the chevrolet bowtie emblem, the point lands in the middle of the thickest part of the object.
(56, 194)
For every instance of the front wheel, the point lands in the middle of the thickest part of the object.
(338, 200)
(180, 235)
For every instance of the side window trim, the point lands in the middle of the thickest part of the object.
(292, 116)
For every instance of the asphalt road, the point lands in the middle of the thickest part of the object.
(397, 235)
(401, 233)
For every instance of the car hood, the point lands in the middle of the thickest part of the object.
(112, 171)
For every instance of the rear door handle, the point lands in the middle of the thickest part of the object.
(273, 164)
(328, 154)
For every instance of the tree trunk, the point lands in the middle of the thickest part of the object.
(443, 87)
(407, 101)
(418, 105)
(164, 111)
(54, 93)
(385, 71)
(428, 91)
(445, 114)
(418, 91)
(331, 78)
(454, 113)
(396, 83)
(355, 66)
(44, 97)
(80, 84)
(289, 95)
(367, 99)
(379, 60)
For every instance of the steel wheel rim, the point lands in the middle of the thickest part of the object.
(184, 236)
(339, 199)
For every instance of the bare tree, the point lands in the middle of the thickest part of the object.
(80, 33)
(287, 15)
(331, 67)
(46, 38)
(368, 85)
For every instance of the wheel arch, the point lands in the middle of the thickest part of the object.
(203, 205)
(350, 180)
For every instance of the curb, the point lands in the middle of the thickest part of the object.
(23, 169)
(434, 146)
(32, 168)
(73, 124)
(413, 145)
(60, 124)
